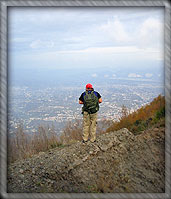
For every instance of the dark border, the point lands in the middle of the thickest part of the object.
(4, 4)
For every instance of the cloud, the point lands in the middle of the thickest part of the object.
(140, 53)
(151, 33)
(115, 30)
(150, 25)
(94, 75)
(86, 37)
(20, 39)
(134, 75)
(123, 49)
(106, 76)
(41, 44)
(73, 39)
(146, 33)
(148, 75)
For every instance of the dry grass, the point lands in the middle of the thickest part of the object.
(72, 132)
(22, 145)
(141, 118)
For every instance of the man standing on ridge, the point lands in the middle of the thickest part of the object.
(90, 100)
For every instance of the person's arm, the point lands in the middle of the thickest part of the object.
(99, 97)
(100, 100)
(80, 102)
(81, 99)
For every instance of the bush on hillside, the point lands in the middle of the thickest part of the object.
(142, 118)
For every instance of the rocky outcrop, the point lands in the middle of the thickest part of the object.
(117, 162)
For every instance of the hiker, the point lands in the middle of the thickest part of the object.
(90, 100)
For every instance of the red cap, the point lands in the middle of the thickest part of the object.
(89, 86)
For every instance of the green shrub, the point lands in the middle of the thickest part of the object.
(160, 114)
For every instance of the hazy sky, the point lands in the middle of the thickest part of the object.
(85, 37)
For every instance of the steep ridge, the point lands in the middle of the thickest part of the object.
(118, 161)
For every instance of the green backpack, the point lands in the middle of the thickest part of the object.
(91, 103)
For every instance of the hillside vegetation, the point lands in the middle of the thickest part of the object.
(143, 118)
(21, 145)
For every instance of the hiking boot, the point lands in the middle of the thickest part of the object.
(83, 141)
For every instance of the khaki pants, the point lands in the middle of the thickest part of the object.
(89, 126)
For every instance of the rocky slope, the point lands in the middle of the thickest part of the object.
(117, 162)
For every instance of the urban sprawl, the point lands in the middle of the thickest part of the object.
(34, 107)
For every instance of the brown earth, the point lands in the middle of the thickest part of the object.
(119, 162)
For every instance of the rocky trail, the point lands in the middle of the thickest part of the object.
(118, 162)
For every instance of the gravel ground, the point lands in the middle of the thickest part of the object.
(118, 162)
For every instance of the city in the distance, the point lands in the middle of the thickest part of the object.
(54, 100)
